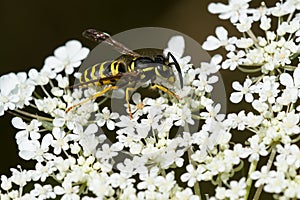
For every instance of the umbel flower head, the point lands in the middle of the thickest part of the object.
(169, 146)
(75, 150)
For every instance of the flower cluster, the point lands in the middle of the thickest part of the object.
(74, 150)
(165, 147)
(271, 61)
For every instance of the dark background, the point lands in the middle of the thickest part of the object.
(31, 30)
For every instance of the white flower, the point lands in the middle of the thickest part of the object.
(282, 9)
(236, 120)
(43, 192)
(68, 191)
(294, 157)
(291, 83)
(165, 184)
(30, 131)
(276, 184)
(148, 179)
(237, 189)
(5, 183)
(211, 67)
(183, 115)
(106, 117)
(108, 152)
(187, 193)
(203, 83)
(213, 112)
(63, 82)
(213, 43)
(261, 107)
(42, 77)
(265, 23)
(262, 176)
(269, 89)
(140, 106)
(15, 91)
(118, 181)
(41, 171)
(21, 177)
(244, 43)
(60, 140)
(253, 120)
(192, 175)
(244, 24)
(33, 149)
(67, 57)
(290, 123)
(234, 60)
(47, 105)
(88, 139)
(256, 149)
(232, 11)
(246, 90)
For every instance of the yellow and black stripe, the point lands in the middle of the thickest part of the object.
(102, 71)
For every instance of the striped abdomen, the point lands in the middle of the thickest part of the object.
(106, 70)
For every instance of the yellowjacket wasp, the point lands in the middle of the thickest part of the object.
(119, 74)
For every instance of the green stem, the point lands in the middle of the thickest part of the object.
(33, 116)
(253, 37)
(45, 91)
(290, 17)
(269, 165)
(18, 115)
(197, 190)
(37, 95)
(249, 180)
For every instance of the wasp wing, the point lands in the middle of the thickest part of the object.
(99, 36)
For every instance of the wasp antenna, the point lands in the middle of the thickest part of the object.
(95, 35)
(177, 68)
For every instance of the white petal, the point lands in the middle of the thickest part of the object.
(61, 53)
(58, 122)
(216, 59)
(92, 128)
(211, 43)
(286, 80)
(53, 62)
(222, 33)
(176, 46)
(136, 98)
(216, 8)
(18, 123)
(296, 76)
(236, 97)
(80, 55)
(26, 155)
(110, 125)
(237, 86)
(8, 82)
(73, 47)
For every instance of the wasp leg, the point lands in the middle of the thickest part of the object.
(166, 90)
(127, 100)
(95, 96)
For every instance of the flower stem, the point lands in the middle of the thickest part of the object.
(33, 116)
(249, 180)
(197, 190)
(253, 37)
(269, 165)
(45, 91)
